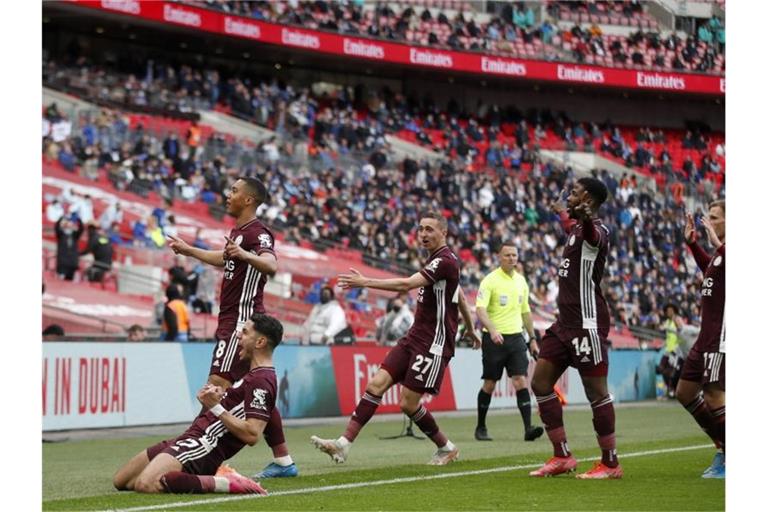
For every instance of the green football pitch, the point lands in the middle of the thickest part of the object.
(661, 450)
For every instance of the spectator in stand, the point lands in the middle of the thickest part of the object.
(175, 315)
(68, 231)
(154, 233)
(111, 214)
(180, 275)
(54, 211)
(100, 247)
(326, 321)
(395, 323)
(137, 333)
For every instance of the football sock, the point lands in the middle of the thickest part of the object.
(285, 460)
(364, 411)
(274, 436)
(483, 402)
(604, 422)
(703, 416)
(551, 411)
(719, 426)
(426, 422)
(179, 482)
(524, 404)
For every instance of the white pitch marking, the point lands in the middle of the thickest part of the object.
(375, 483)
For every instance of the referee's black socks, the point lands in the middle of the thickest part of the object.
(483, 402)
(524, 404)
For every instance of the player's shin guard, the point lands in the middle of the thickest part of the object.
(274, 436)
(604, 421)
(426, 423)
(483, 402)
(718, 428)
(364, 411)
(551, 412)
(178, 482)
(703, 416)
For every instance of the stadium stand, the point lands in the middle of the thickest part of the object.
(526, 30)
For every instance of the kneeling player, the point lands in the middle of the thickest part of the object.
(189, 463)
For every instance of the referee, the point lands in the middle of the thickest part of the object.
(502, 307)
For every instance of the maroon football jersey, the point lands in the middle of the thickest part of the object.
(242, 288)
(712, 335)
(579, 300)
(437, 312)
(253, 396)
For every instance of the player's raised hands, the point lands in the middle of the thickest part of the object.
(178, 246)
(560, 204)
(582, 211)
(353, 280)
(690, 228)
(711, 235)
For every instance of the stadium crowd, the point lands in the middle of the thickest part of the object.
(341, 121)
(701, 51)
(374, 208)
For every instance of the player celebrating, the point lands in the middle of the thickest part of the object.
(189, 463)
(578, 336)
(701, 388)
(248, 258)
(420, 358)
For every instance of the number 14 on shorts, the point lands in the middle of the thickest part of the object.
(582, 347)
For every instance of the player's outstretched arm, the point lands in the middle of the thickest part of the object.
(398, 284)
(699, 254)
(560, 208)
(265, 262)
(179, 246)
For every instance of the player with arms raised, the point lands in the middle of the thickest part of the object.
(578, 337)
(420, 358)
(248, 258)
(701, 388)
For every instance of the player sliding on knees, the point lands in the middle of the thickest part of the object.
(578, 337)
(192, 462)
(420, 358)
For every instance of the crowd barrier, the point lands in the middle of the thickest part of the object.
(93, 385)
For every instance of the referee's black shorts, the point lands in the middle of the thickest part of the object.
(512, 355)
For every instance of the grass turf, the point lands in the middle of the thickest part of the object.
(77, 474)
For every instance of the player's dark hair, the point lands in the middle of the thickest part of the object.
(256, 187)
(720, 203)
(507, 243)
(270, 327)
(437, 216)
(595, 188)
(673, 306)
